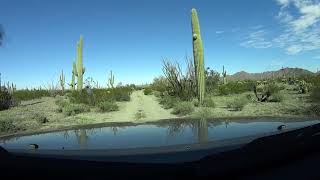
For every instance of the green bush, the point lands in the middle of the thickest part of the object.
(183, 108)
(277, 97)
(160, 84)
(140, 114)
(168, 101)
(41, 119)
(7, 126)
(96, 96)
(73, 109)
(195, 102)
(315, 109)
(208, 102)
(108, 106)
(24, 95)
(237, 104)
(235, 87)
(82, 97)
(6, 100)
(315, 94)
(203, 113)
(147, 91)
(61, 103)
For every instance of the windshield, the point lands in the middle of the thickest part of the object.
(130, 74)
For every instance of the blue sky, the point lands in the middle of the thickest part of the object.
(131, 37)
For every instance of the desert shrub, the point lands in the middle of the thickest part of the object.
(8, 126)
(195, 102)
(183, 108)
(157, 94)
(160, 84)
(147, 91)
(237, 104)
(168, 101)
(61, 102)
(108, 106)
(212, 79)
(208, 102)
(41, 119)
(81, 97)
(6, 100)
(235, 87)
(73, 109)
(263, 92)
(120, 94)
(277, 97)
(140, 114)
(203, 113)
(315, 94)
(251, 97)
(182, 85)
(315, 109)
(24, 95)
(95, 96)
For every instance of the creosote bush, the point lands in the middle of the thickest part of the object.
(95, 96)
(277, 97)
(183, 108)
(108, 106)
(8, 126)
(208, 102)
(6, 100)
(168, 101)
(73, 109)
(147, 91)
(237, 104)
(24, 95)
(41, 119)
(235, 87)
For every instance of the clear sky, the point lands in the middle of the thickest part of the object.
(130, 37)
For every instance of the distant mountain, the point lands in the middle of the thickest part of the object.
(284, 72)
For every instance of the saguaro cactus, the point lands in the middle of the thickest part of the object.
(111, 80)
(80, 69)
(62, 81)
(198, 55)
(73, 78)
(224, 75)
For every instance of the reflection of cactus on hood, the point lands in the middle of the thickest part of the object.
(198, 55)
(80, 69)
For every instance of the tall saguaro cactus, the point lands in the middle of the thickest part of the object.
(80, 69)
(111, 80)
(224, 75)
(62, 81)
(198, 55)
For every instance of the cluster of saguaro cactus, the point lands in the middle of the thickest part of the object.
(62, 81)
(80, 69)
(111, 80)
(198, 55)
(224, 75)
